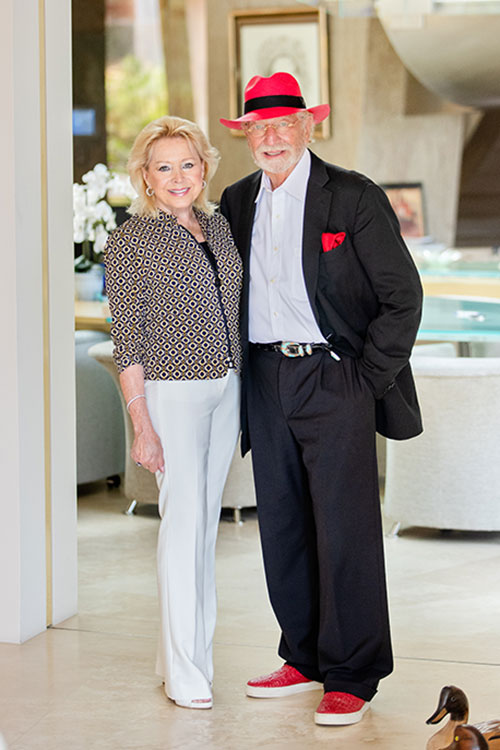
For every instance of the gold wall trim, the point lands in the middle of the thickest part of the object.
(45, 305)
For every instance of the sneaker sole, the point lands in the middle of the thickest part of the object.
(279, 692)
(341, 719)
(193, 704)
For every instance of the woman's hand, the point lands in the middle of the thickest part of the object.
(147, 450)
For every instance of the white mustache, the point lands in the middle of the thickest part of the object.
(277, 147)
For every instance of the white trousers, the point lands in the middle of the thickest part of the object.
(198, 424)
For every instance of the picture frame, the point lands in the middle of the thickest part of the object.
(407, 200)
(270, 40)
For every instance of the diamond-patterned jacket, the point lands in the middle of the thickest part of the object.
(165, 309)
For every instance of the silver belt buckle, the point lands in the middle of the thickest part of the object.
(289, 349)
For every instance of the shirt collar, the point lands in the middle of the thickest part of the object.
(296, 182)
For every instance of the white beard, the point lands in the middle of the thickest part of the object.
(280, 164)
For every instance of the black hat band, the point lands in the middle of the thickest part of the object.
(280, 100)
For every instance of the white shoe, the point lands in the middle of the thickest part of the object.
(194, 703)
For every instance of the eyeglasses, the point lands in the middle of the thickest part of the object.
(259, 129)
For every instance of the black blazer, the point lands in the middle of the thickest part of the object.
(365, 294)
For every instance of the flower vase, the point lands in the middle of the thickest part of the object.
(89, 284)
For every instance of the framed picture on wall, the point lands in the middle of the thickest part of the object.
(408, 203)
(271, 40)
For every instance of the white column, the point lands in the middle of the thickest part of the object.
(61, 291)
(37, 464)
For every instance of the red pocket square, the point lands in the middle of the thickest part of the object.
(330, 240)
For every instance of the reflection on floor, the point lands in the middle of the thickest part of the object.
(89, 684)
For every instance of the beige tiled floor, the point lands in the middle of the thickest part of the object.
(89, 683)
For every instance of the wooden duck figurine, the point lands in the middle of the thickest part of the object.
(453, 701)
(467, 737)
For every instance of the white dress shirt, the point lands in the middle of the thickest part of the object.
(279, 308)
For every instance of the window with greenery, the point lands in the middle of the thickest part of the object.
(135, 80)
(135, 95)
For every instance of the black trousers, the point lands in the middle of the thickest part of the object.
(312, 432)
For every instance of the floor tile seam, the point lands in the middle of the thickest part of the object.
(25, 731)
(225, 644)
(105, 632)
(433, 660)
(230, 644)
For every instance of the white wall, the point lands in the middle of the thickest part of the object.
(37, 466)
(377, 127)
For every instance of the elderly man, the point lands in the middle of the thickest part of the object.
(331, 307)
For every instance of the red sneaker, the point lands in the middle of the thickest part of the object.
(340, 708)
(285, 681)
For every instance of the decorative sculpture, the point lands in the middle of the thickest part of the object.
(453, 701)
(467, 737)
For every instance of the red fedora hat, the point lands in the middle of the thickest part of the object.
(276, 96)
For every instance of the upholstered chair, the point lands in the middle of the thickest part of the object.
(100, 435)
(449, 477)
(438, 349)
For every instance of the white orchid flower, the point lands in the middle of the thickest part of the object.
(121, 187)
(93, 217)
(100, 239)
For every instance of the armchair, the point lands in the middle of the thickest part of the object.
(449, 476)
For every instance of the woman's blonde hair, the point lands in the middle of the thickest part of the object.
(140, 157)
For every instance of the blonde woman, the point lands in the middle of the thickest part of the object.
(173, 277)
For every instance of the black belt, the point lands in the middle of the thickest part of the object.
(293, 349)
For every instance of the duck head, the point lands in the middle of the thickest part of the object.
(452, 701)
(467, 737)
